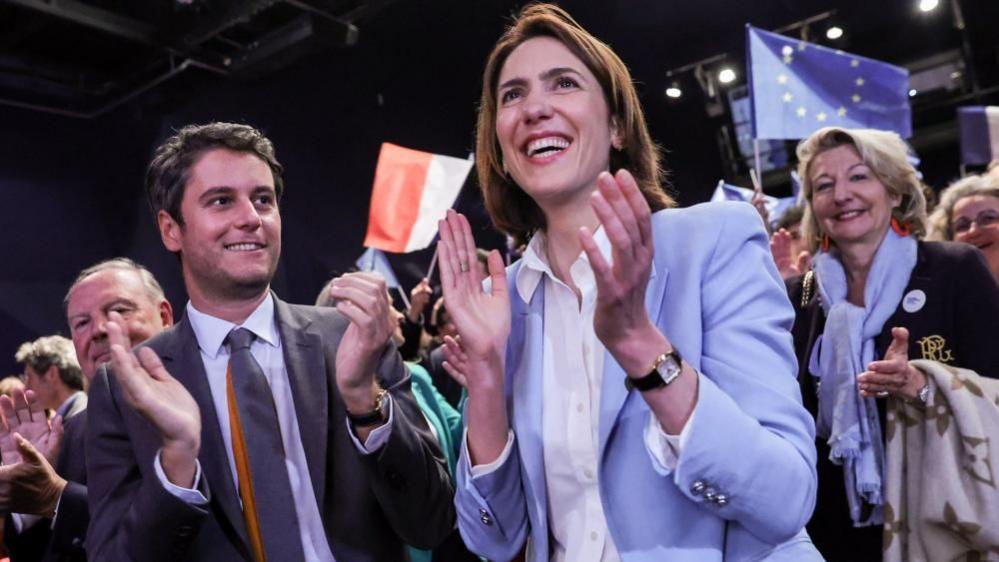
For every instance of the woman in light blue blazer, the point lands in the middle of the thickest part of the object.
(631, 381)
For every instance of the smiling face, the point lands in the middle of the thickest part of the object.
(849, 203)
(95, 297)
(230, 240)
(975, 220)
(552, 122)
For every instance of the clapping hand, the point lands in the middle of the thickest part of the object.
(788, 265)
(23, 414)
(161, 399)
(893, 375)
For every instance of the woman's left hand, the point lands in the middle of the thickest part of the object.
(893, 375)
(620, 319)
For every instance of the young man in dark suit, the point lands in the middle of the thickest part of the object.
(289, 432)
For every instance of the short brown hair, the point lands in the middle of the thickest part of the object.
(169, 170)
(885, 153)
(511, 209)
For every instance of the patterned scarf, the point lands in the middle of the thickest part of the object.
(846, 347)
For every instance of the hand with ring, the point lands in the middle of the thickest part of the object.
(893, 375)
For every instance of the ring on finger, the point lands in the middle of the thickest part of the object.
(463, 266)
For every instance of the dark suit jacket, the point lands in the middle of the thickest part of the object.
(370, 504)
(63, 541)
(958, 325)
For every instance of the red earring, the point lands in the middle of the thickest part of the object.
(825, 242)
(900, 227)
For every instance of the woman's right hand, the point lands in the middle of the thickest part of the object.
(483, 323)
(482, 319)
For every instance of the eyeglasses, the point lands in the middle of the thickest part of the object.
(984, 219)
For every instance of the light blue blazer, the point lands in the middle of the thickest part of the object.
(716, 294)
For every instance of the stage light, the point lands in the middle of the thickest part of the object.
(726, 76)
(912, 93)
(928, 5)
(834, 32)
(674, 91)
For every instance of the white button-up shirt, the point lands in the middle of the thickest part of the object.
(572, 365)
(267, 350)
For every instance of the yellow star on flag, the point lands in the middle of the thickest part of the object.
(787, 97)
(802, 111)
(854, 63)
(821, 116)
(802, 45)
(856, 98)
(841, 111)
(860, 81)
(788, 59)
(782, 79)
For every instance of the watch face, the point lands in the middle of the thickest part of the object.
(669, 369)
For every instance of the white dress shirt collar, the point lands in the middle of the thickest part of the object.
(211, 331)
(536, 263)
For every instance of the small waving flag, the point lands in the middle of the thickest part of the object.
(776, 206)
(375, 261)
(979, 126)
(413, 190)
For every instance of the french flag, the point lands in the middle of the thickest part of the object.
(979, 126)
(413, 190)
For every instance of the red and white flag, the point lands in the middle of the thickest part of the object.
(413, 190)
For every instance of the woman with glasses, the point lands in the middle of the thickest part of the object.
(969, 212)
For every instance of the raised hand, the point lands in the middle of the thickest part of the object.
(419, 297)
(455, 360)
(32, 485)
(893, 375)
(620, 319)
(482, 319)
(363, 298)
(760, 204)
(23, 413)
(161, 399)
(788, 265)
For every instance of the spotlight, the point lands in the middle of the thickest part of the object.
(674, 91)
(834, 32)
(726, 76)
(928, 5)
(913, 92)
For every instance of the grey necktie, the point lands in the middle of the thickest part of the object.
(268, 504)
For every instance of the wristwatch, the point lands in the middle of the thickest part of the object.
(375, 416)
(665, 369)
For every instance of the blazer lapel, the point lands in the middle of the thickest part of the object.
(613, 393)
(182, 359)
(307, 373)
(525, 383)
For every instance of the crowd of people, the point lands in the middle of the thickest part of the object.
(645, 383)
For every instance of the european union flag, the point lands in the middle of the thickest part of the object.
(374, 260)
(776, 206)
(797, 88)
(979, 126)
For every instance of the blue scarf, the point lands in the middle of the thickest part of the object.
(846, 347)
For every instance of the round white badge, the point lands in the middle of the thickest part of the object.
(914, 300)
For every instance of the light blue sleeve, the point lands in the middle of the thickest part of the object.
(752, 441)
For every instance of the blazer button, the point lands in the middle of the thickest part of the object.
(698, 487)
(710, 494)
(721, 500)
(486, 520)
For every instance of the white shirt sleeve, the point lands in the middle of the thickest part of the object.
(665, 449)
(378, 436)
(484, 469)
(191, 496)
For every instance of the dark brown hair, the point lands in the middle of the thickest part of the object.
(511, 209)
(169, 170)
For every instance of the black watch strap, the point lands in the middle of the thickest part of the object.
(374, 417)
(655, 379)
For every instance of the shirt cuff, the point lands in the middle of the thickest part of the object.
(665, 449)
(484, 469)
(191, 496)
(55, 512)
(378, 436)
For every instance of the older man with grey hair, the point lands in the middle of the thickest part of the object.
(58, 496)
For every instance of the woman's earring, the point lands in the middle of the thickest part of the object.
(825, 242)
(900, 227)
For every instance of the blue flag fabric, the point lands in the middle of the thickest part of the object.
(374, 260)
(979, 126)
(776, 206)
(797, 88)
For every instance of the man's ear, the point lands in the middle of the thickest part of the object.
(170, 231)
(51, 374)
(166, 313)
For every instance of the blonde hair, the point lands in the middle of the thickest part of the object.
(512, 211)
(942, 219)
(885, 153)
